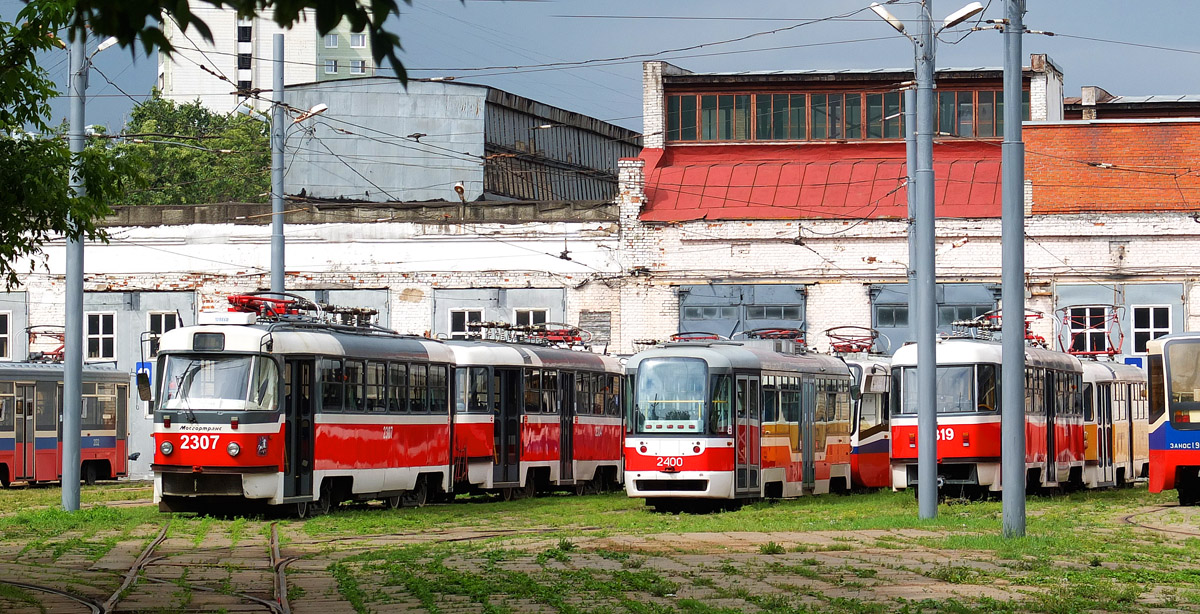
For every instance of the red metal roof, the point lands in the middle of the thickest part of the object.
(818, 181)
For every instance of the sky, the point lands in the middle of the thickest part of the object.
(1152, 46)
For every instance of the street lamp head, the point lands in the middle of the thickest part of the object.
(885, 15)
(106, 43)
(962, 15)
(312, 112)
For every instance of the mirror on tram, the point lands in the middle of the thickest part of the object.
(143, 386)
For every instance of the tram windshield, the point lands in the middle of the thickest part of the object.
(677, 395)
(1183, 368)
(223, 383)
(960, 389)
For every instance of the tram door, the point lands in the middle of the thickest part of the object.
(1104, 433)
(298, 394)
(1052, 400)
(26, 425)
(808, 405)
(749, 456)
(566, 446)
(506, 409)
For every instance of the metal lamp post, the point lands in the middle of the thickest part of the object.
(922, 257)
(80, 63)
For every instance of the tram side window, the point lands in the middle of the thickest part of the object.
(397, 387)
(376, 387)
(353, 372)
(790, 400)
(477, 402)
(331, 385)
(1089, 413)
(1158, 394)
(99, 406)
(988, 390)
(597, 393)
(8, 405)
(583, 393)
(549, 391)
(770, 402)
(612, 394)
(533, 391)
(47, 414)
(439, 389)
(418, 385)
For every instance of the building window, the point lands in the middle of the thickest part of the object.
(331, 41)
(949, 314)
(1088, 326)
(243, 60)
(101, 338)
(773, 312)
(891, 316)
(243, 34)
(531, 317)
(708, 312)
(1149, 322)
(827, 116)
(358, 67)
(159, 324)
(358, 40)
(5, 333)
(459, 318)
(331, 67)
(244, 88)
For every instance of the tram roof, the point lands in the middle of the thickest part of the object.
(16, 370)
(290, 339)
(963, 351)
(1155, 346)
(1102, 371)
(735, 355)
(494, 353)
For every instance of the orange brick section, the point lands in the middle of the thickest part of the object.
(1128, 167)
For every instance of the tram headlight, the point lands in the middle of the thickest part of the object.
(233, 448)
(166, 448)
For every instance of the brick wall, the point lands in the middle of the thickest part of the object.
(1106, 166)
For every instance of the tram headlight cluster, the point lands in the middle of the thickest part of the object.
(166, 448)
(233, 448)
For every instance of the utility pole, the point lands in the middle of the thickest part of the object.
(277, 129)
(910, 151)
(73, 352)
(926, 275)
(1012, 287)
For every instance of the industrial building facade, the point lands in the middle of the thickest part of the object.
(713, 230)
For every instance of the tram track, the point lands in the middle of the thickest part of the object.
(1130, 519)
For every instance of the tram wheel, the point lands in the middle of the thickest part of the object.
(418, 496)
(394, 502)
(324, 503)
(89, 474)
(302, 510)
(507, 494)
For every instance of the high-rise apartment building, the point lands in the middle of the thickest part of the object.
(224, 73)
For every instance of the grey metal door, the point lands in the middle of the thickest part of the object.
(1104, 433)
(566, 448)
(506, 409)
(746, 425)
(26, 446)
(298, 386)
(808, 405)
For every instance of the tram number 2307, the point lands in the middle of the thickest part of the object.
(198, 442)
(670, 461)
(945, 434)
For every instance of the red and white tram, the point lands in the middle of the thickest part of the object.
(530, 418)
(968, 415)
(294, 411)
(724, 422)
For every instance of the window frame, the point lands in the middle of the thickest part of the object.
(465, 333)
(528, 312)
(331, 37)
(1087, 331)
(331, 64)
(6, 336)
(1134, 329)
(358, 36)
(101, 336)
(358, 67)
(150, 315)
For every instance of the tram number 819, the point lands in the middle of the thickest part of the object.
(945, 434)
